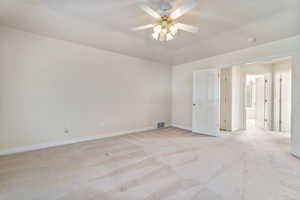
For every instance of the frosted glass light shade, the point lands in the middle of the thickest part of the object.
(157, 29)
(169, 36)
(155, 35)
(173, 29)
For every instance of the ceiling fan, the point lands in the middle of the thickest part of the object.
(165, 26)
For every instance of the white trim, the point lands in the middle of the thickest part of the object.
(296, 154)
(72, 141)
(181, 127)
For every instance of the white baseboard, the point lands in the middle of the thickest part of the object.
(182, 127)
(72, 141)
(296, 154)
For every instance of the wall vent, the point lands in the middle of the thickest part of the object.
(160, 124)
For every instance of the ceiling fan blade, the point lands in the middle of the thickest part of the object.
(150, 11)
(189, 5)
(188, 28)
(139, 28)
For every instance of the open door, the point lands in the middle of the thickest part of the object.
(277, 102)
(225, 97)
(260, 103)
(268, 102)
(263, 102)
(206, 104)
(284, 102)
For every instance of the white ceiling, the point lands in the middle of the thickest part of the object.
(106, 24)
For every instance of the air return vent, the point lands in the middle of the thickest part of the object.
(160, 124)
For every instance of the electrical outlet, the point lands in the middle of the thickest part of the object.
(101, 124)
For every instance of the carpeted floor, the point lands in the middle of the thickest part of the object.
(161, 164)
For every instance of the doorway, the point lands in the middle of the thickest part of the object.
(256, 95)
(256, 101)
(268, 96)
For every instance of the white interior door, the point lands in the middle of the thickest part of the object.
(260, 102)
(268, 101)
(277, 102)
(263, 102)
(225, 111)
(285, 100)
(206, 102)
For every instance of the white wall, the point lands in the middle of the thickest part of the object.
(283, 66)
(48, 85)
(256, 69)
(182, 80)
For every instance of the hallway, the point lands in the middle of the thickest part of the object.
(167, 164)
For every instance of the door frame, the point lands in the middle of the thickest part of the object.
(257, 54)
(270, 123)
(243, 82)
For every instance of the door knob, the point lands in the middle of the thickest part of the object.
(194, 104)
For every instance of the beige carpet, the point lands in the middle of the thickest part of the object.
(162, 164)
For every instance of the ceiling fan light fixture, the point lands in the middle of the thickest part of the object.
(173, 29)
(157, 28)
(169, 36)
(162, 37)
(155, 35)
(164, 31)
(165, 28)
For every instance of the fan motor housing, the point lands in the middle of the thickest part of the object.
(165, 6)
(165, 19)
